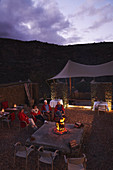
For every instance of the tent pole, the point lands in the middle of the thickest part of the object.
(66, 81)
(70, 84)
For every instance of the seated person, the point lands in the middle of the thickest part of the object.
(46, 110)
(59, 110)
(23, 117)
(37, 115)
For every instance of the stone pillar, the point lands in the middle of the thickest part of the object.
(102, 91)
(59, 91)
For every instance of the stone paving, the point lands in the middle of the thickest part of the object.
(98, 142)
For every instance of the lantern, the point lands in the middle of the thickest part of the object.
(14, 105)
(3, 110)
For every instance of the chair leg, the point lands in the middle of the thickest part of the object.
(19, 127)
(14, 160)
(8, 124)
(98, 112)
(38, 163)
(2, 124)
(26, 162)
(52, 166)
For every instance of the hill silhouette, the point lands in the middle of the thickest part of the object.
(38, 61)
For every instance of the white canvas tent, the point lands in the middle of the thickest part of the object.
(73, 69)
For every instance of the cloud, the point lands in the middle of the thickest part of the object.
(42, 20)
(97, 15)
(32, 20)
(104, 38)
(73, 39)
(104, 15)
(101, 22)
(8, 31)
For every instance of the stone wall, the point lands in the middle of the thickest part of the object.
(15, 93)
(59, 91)
(102, 91)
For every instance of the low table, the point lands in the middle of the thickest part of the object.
(11, 109)
(46, 137)
(4, 114)
(95, 106)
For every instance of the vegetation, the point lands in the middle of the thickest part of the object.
(39, 61)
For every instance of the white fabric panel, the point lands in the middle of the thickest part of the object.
(73, 69)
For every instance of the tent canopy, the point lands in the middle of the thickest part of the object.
(73, 69)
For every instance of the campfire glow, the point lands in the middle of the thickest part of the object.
(60, 127)
(3, 110)
(14, 105)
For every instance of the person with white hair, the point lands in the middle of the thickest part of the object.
(46, 110)
(36, 114)
(59, 110)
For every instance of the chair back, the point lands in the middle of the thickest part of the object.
(12, 116)
(76, 163)
(76, 160)
(22, 151)
(45, 154)
(4, 104)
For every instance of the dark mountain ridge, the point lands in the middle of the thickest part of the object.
(38, 61)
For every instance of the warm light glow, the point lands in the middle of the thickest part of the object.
(83, 107)
(57, 126)
(14, 105)
(2, 110)
(62, 120)
(60, 132)
(60, 126)
(109, 105)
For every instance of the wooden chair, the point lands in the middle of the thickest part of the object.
(22, 152)
(8, 119)
(76, 163)
(46, 157)
(4, 104)
(23, 124)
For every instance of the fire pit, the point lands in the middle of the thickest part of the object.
(45, 136)
(60, 127)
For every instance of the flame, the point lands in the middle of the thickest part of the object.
(60, 126)
(62, 120)
(14, 105)
(3, 110)
(57, 126)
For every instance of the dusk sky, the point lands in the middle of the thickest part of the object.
(60, 22)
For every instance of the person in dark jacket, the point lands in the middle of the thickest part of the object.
(59, 110)
(46, 110)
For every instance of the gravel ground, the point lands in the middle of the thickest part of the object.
(97, 144)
